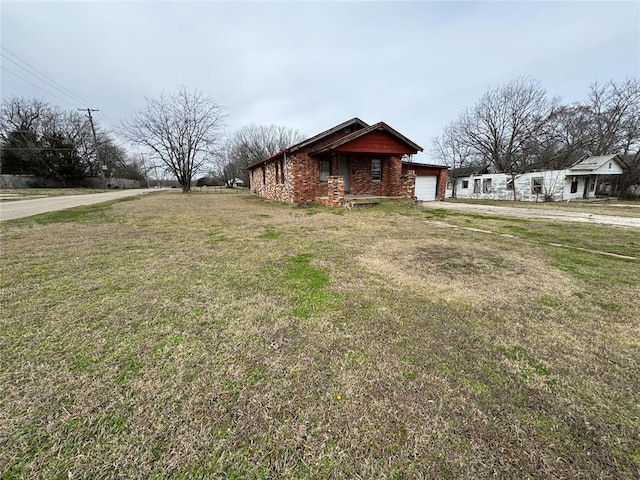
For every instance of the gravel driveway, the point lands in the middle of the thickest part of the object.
(535, 213)
(26, 208)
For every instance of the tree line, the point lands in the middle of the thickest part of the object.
(518, 128)
(40, 139)
(183, 133)
(513, 129)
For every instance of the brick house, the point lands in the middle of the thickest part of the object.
(350, 160)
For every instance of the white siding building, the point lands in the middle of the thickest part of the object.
(582, 180)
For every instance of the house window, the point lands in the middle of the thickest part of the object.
(324, 170)
(281, 170)
(376, 169)
(264, 175)
(465, 183)
(277, 172)
(486, 185)
(476, 185)
(574, 185)
(510, 184)
(536, 186)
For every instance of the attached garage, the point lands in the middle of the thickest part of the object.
(426, 187)
(431, 180)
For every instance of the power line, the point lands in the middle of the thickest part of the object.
(108, 120)
(95, 139)
(69, 92)
(39, 78)
(13, 88)
(36, 86)
(52, 83)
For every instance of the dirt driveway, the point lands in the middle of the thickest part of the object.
(535, 213)
(36, 206)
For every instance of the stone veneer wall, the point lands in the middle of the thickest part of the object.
(271, 189)
(335, 193)
(409, 185)
(305, 187)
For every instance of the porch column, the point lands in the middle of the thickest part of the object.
(335, 191)
(409, 185)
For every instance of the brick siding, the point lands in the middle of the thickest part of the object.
(272, 188)
(302, 183)
(335, 193)
(304, 186)
(440, 172)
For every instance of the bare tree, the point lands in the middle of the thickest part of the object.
(253, 143)
(615, 111)
(614, 126)
(182, 129)
(563, 140)
(504, 122)
(450, 149)
(516, 128)
(21, 128)
(43, 140)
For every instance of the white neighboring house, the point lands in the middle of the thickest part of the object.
(236, 182)
(582, 180)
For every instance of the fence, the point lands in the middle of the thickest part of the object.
(222, 189)
(30, 181)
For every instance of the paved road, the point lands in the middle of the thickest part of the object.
(552, 214)
(26, 208)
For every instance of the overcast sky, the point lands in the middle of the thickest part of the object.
(312, 65)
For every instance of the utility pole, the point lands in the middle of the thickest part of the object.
(95, 141)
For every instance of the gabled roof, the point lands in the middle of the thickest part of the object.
(380, 126)
(594, 163)
(354, 121)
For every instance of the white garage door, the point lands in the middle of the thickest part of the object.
(426, 187)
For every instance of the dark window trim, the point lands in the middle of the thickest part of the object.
(537, 185)
(373, 179)
(321, 170)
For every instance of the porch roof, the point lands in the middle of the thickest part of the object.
(363, 129)
(591, 164)
(380, 126)
(355, 121)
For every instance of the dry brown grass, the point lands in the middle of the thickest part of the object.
(194, 336)
(9, 194)
(622, 208)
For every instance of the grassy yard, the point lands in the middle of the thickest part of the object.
(12, 194)
(623, 208)
(201, 335)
